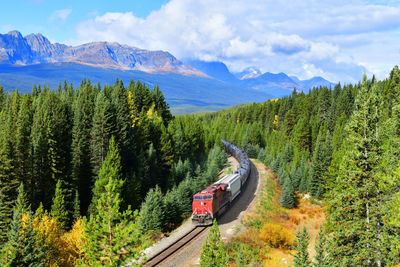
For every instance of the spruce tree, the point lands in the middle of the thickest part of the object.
(152, 212)
(320, 258)
(111, 168)
(321, 161)
(23, 247)
(103, 124)
(4, 219)
(82, 124)
(58, 210)
(111, 236)
(287, 196)
(77, 207)
(302, 258)
(356, 228)
(213, 252)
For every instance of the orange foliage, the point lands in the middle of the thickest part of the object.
(277, 236)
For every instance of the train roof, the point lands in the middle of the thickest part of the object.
(227, 178)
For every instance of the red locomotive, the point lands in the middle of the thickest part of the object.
(208, 203)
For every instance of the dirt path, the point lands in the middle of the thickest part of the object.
(230, 223)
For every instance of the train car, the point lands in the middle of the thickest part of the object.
(234, 185)
(216, 198)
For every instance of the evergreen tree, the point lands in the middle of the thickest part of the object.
(287, 196)
(4, 220)
(287, 153)
(103, 123)
(152, 212)
(213, 252)
(58, 210)
(320, 257)
(282, 175)
(111, 168)
(304, 180)
(357, 232)
(302, 258)
(23, 247)
(77, 207)
(82, 124)
(321, 161)
(111, 236)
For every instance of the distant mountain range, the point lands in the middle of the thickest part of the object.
(36, 48)
(189, 87)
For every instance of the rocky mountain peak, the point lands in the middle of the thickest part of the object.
(15, 34)
(36, 48)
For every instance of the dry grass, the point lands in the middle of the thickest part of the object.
(269, 222)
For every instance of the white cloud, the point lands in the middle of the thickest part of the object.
(303, 38)
(61, 14)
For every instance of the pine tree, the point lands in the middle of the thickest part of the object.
(111, 236)
(23, 247)
(58, 210)
(213, 252)
(82, 124)
(4, 219)
(357, 232)
(320, 259)
(77, 207)
(111, 168)
(103, 124)
(321, 161)
(304, 180)
(302, 258)
(287, 196)
(152, 212)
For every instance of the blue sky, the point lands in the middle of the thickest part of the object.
(338, 40)
(58, 19)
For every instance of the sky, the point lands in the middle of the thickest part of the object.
(338, 40)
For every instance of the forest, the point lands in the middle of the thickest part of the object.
(85, 173)
(339, 145)
(66, 154)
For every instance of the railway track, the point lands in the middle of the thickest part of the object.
(174, 247)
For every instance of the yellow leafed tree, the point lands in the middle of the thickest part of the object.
(133, 113)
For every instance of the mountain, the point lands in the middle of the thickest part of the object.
(248, 73)
(35, 49)
(214, 69)
(314, 82)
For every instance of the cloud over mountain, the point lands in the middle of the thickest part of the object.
(300, 37)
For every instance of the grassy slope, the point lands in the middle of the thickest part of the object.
(270, 212)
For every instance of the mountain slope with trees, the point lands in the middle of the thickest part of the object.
(336, 145)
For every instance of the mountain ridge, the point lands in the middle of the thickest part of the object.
(36, 49)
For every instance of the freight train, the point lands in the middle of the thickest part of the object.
(216, 198)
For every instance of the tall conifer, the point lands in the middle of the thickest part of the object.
(213, 252)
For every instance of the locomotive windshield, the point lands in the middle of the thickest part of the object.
(202, 197)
